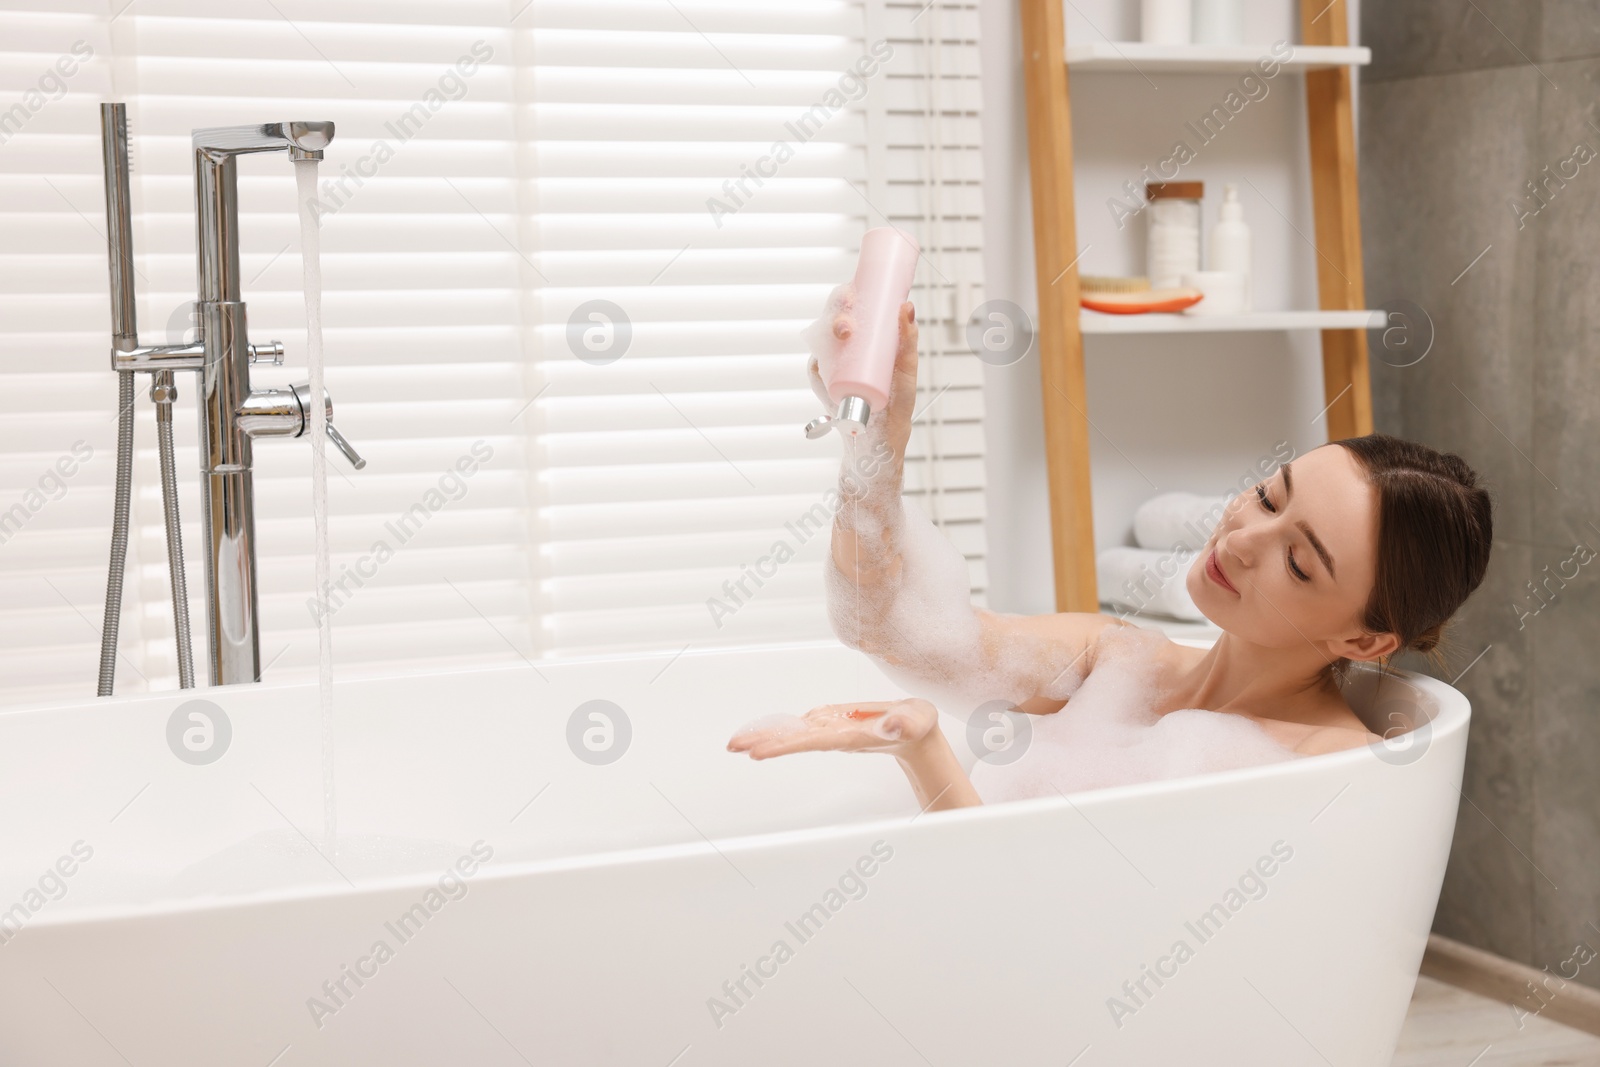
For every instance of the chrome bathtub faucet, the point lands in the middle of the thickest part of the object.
(232, 413)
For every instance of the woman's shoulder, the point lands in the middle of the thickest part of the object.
(1070, 645)
(1333, 726)
(1086, 631)
(1110, 639)
(1088, 625)
(1323, 739)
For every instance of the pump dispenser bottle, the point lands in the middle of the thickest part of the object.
(855, 358)
(1230, 243)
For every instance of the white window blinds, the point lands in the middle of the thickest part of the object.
(567, 247)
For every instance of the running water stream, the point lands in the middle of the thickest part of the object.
(305, 176)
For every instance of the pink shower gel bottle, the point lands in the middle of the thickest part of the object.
(861, 366)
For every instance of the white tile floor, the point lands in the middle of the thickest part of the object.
(1448, 1027)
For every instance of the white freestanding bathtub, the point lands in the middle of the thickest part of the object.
(498, 900)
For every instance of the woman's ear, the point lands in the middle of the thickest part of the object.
(1366, 647)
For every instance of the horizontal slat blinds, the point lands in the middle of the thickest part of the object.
(690, 171)
(497, 167)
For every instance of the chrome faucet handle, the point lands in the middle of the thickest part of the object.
(344, 446)
(287, 413)
(302, 393)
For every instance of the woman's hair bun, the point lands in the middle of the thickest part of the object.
(1429, 639)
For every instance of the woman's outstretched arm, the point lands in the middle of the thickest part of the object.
(907, 729)
(899, 590)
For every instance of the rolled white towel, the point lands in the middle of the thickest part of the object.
(1147, 580)
(1177, 519)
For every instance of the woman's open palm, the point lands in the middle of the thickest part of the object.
(868, 726)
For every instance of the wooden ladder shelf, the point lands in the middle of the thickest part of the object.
(1336, 205)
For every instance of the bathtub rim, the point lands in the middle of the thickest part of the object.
(400, 671)
(1451, 717)
(356, 677)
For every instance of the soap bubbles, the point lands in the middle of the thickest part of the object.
(199, 732)
(1000, 333)
(1110, 734)
(998, 733)
(598, 332)
(599, 732)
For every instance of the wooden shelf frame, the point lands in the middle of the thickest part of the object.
(1340, 285)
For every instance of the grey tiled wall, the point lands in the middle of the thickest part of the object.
(1465, 103)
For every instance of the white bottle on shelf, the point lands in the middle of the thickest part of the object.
(1164, 21)
(1230, 243)
(1217, 22)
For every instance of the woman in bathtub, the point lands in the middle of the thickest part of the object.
(1353, 552)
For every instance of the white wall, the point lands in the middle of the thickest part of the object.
(1192, 412)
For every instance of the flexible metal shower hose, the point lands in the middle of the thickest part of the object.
(119, 536)
(169, 506)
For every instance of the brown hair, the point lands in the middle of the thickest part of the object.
(1434, 534)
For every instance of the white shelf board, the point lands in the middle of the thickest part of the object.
(1130, 57)
(1097, 322)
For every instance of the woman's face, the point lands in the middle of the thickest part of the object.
(1298, 557)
